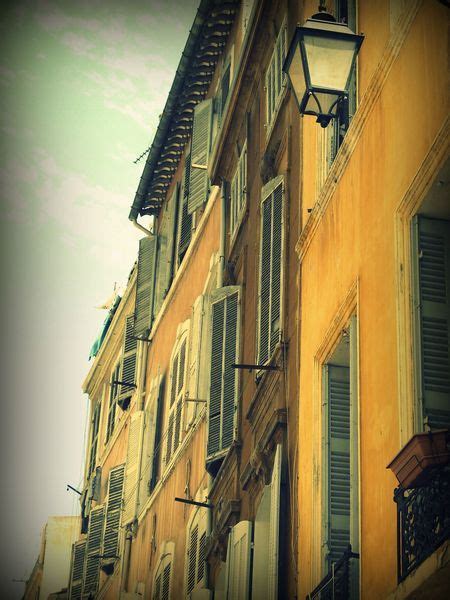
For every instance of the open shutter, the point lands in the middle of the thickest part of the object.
(128, 366)
(185, 218)
(201, 137)
(239, 561)
(93, 551)
(338, 461)
(166, 242)
(113, 508)
(274, 526)
(432, 308)
(145, 285)
(195, 360)
(260, 573)
(132, 467)
(76, 570)
(270, 271)
(156, 462)
(224, 378)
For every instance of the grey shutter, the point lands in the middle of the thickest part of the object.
(145, 286)
(128, 366)
(260, 575)
(77, 570)
(166, 243)
(93, 551)
(201, 137)
(338, 461)
(185, 218)
(201, 557)
(432, 257)
(270, 284)
(223, 378)
(114, 506)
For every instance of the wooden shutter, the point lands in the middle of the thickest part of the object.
(185, 218)
(165, 592)
(223, 391)
(270, 278)
(77, 570)
(431, 249)
(113, 509)
(338, 388)
(239, 565)
(156, 462)
(195, 572)
(194, 360)
(128, 364)
(201, 136)
(145, 285)
(133, 464)
(166, 243)
(274, 526)
(93, 551)
(260, 584)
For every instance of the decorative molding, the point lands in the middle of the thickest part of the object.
(356, 128)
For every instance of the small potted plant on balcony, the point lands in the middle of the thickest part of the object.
(424, 451)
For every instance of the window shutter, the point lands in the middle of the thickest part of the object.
(157, 591)
(432, 307)
(192, 564)
(195, 360)
(185, 218)
(274, 526)
(155, 465)
(201, 135)
(145, 286)
(165, 595)
(128, 366)
(338, 461)
(166, 242)
(270, 283)
(224, 378)
(114, 506)
(260, 585)
(239, 574)
(93, 551)
(132, 468)
(77, 569)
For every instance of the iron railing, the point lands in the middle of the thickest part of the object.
(423, 520)
(335, 585)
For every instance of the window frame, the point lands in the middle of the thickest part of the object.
(93, 447)
(238, 194)
(274, 72)
(112, 405)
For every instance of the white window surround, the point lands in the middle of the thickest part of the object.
(238, 194)
(275, 79)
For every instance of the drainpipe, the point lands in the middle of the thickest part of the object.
(222, 234)
(126, 560)
(141, 227)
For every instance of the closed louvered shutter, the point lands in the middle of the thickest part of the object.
(77, 570)
(239, 561)
(166, 241)
(338, 461)
(270, 283)
(224, 378)
(192, 563)
(145, 286)
(195, 575)
(432, 307)
(201, 137)
(185, 218)
(113, 509)
(156, 460)
(128, 366)
(165, 592)
(274, 526)
(132, 467)
(175, 423)
(195, 357)
(93, 551)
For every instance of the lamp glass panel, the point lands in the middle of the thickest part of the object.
(297, 75)
(329, 60)
(326, 101)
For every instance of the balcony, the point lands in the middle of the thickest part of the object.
(336, 585)
(423, 520)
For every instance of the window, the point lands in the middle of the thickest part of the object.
(112, 519)
(176, 401)
(145, 285)
(224, 89)
(270, 269)
(93, 551)
(431, 298)
(77, 569)
(223, 390)
(128, 365)
(196, 551)
(113, 395)
(340, 468)
(200, 149)
(94, 439)
(238, 560)
(161, 587)
(151, 440)
(275, 78)
(185, 218)
(238, 192)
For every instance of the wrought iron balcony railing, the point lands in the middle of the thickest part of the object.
(335, 585)
(423, 520)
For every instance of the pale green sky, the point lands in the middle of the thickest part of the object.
(82, 85)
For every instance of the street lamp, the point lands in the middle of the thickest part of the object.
(319, 65)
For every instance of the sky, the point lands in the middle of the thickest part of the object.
(82, 85)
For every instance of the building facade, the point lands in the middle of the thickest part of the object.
(284, 331)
